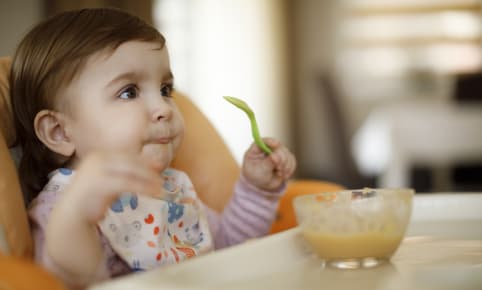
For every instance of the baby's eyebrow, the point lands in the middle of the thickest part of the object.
(123, 76)
(168, 77)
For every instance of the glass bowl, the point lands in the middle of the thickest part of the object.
(354, 228)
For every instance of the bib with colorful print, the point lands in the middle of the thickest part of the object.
(147, 232)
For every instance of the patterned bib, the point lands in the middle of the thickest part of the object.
(147, 232)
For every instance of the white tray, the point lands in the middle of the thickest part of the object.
(437, 254)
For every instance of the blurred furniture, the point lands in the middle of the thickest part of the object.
(468, 88)
(323, 147)
(331, 99)
(437, 134)
(18, 273)
(285, 217)
(213, 180)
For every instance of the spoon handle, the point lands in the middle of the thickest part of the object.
(256, 137)
(254, 125)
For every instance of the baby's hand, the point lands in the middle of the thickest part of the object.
(268, 172)
(102, 177)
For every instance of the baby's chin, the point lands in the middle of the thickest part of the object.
(159, 162)
(159, 157)
(158, 166)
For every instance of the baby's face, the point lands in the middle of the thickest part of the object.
(122, 101)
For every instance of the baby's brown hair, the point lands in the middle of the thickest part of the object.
(47, 59)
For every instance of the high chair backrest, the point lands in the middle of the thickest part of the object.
(202, 144)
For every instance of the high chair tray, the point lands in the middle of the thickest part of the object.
(442, 250)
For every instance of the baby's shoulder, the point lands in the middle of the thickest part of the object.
(58, 179)
(41, 206)
(60, 176)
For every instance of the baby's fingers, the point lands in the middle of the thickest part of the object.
(284, 162)
(135, 176)
(290, 166)
(272, 143)
(117, 172)
(102, 177)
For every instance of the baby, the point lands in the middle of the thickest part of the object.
(92, 99)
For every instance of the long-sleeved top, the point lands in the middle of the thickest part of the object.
(140, 233)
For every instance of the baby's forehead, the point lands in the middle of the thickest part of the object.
(135, 58)
(122, 56)
(105, 53)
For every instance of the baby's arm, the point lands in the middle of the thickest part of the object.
(249, 214)
(252, 209)
(73, 248)
(72, 242)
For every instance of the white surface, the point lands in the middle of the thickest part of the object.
(447, 206)
(445, 260)
(447, 215)
(432, 133)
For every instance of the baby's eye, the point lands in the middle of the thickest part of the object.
(129, 93)
(166, 90)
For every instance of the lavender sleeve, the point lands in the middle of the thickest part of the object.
(249, 214)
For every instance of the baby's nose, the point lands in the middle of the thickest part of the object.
(161, 110)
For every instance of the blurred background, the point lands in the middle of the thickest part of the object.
(365, 92)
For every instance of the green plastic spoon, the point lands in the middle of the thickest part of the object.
(254, 126)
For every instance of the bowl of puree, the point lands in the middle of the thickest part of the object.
(358, 228)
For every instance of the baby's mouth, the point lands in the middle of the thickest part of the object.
(161, 137)
(163, 140)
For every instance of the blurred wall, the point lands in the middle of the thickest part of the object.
(319, 138)
(16, 18)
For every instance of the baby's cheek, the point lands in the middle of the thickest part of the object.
(178, 132)
(125, 136)
(176, 144)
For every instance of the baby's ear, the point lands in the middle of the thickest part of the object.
(50, 129)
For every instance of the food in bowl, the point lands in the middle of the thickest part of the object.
(354, 228)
